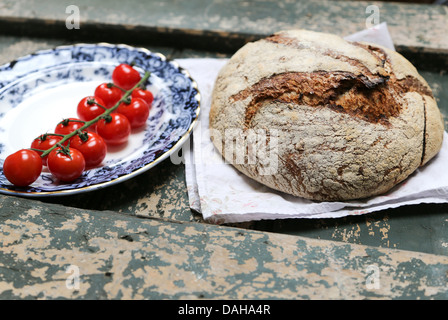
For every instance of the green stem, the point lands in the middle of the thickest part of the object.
(66, 121)
(45, 135)
(114, 85)
(92, 101)
(105, 113)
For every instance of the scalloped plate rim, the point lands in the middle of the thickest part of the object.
(119, 179)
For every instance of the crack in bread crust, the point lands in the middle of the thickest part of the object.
(424, 133)
(340, 91)
(373, 79)
(370, 97)
(407, 84)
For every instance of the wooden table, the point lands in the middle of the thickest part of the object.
(140, 240)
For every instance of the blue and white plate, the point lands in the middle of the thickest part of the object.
(39, 90)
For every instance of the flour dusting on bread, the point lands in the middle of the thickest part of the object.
(349, 120)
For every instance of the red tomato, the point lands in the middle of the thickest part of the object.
(23, 167)
(115, 129)
(137, 112)
(89, 109)
(69, 125)
(45, 142)
(92, 147)
(143, 94)
(125, 76)
(109, 94)
(66, 165)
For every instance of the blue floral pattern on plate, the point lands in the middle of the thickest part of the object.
(174, 112)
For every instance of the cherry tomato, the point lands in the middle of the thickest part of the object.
(45, 142)
(115, 129)
(143, 94)
(109, 94)
(89, 109)
(23, 167)
(69, 125)
(66, 164)
(125, 76)
(92, 147)
(137, 112)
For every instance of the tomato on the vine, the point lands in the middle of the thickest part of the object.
(45, 142)
(90, 107)
(68, 125)
(137, 112)
(92, 147)
(125, 76)
(109, 94)
(114, 129)
(23, 167)
(66, 164)
(143, 94)
(107, 122)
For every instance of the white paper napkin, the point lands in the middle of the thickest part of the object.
(223, 195)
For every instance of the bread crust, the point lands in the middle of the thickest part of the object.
(339, 120)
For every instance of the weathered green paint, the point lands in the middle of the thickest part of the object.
(123, 257)
(422, 228)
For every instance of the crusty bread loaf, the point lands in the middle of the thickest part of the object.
(315, 116)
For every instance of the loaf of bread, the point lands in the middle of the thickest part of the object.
(315, 116)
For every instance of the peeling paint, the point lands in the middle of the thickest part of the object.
(152, 249)
(123, 257)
